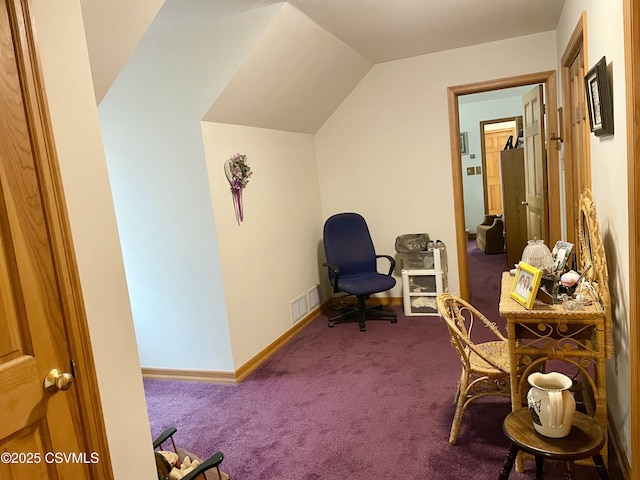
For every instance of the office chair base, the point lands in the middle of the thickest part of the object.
(361, 314)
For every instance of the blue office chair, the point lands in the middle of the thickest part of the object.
(352, 265)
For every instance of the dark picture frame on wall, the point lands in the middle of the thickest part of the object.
(599, 99)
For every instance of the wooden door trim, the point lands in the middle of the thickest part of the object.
(632, 71)
(578, 39)
(548, 78)
(63, 253)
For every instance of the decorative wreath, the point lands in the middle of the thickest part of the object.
(238, 173)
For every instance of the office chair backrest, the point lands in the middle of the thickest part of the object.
(348, 244)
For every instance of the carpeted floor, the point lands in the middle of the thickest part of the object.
(341, 404)
(485, 273)
(338, 403)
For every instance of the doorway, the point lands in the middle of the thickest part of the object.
(494, 136)
(548, 79)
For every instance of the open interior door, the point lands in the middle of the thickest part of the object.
(535, 164)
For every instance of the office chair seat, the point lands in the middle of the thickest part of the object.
(367, 284)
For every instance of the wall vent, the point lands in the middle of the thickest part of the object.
(298, 308)
(314, 297)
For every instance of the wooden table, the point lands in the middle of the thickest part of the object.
(585, 440)
(554, 332)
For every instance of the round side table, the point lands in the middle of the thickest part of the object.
(585, 440)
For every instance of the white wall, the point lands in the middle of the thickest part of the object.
(471, 114)
(609, 180)
(385, 151)
(151, 125)
(74, 118)
(272, 257)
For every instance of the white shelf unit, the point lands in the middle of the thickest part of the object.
(420, 286)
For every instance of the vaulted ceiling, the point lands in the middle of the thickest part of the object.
(384, 30)
(316, 51)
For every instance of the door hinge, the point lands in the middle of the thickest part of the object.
(72, 366)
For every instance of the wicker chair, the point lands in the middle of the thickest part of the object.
(485, 365)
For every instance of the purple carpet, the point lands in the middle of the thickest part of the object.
(485, 274)
(341, 404)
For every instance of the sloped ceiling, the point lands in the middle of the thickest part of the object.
(293, 79)
(313, 54)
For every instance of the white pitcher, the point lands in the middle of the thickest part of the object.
(551, 403)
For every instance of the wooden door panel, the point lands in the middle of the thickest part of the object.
(494, 194)
(27, 462)
(21, 394)
(11, 345)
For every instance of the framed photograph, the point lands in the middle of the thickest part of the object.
(599, 99)
(561, 254)
(525, 284)
(464, 143)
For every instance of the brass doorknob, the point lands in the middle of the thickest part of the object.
(57, 380)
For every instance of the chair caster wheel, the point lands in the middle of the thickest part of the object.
(394, 320)
(331, 324)
(363, 328)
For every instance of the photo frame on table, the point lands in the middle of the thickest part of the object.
(526, 284)
(561, 253)
(599, 99)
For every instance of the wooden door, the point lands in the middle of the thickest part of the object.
(514, 195)
(41, 432)
(535, 164)
(577, 158)
(494, 142)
